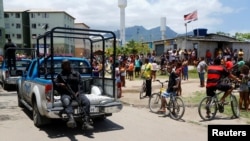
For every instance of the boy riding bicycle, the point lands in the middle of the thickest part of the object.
(215, 74)
(173, 85)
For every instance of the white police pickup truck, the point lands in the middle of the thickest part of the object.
(35, 89)
(9, 77)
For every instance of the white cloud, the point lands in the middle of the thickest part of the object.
(105, 14)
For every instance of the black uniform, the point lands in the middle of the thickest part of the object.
(10, 54)
(73, 79)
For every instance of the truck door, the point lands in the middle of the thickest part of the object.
(27, 82)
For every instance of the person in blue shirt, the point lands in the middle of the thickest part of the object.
(138, 64)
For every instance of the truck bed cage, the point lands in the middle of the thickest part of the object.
(48, 40)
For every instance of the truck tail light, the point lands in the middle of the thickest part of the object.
(48, 91)
(7, 74)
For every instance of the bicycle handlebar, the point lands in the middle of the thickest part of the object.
(162, 82)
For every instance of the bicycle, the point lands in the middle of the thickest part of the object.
(143, 89)
(175, 105)
(209, 106)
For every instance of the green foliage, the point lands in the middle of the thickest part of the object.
(131, 47)
(195, 99)
(193, 73)
(242, 36)
(223, 33)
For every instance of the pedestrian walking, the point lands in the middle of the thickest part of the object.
(201, 69)
(147, 74)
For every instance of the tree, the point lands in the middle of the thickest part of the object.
(131, 47)
(242, 36)
(223, 33)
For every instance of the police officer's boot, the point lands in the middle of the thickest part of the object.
(86, 124)
(71, 123)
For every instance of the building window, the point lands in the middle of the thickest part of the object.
(6, 15)
(13, 35)
(45, 15)
(18, 26)
(195, 45)
(7, 25)
(12, 24)
(33, 26)
(19, 36)
(7, 36)
(33, 36)
(17, 15)
(32, 15)
(45, 26)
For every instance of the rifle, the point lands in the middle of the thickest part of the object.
(67, 86)
(73, 94)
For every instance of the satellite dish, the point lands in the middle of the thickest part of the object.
(45, 26)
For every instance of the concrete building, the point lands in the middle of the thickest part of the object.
(98, 46)
(2, 31)
(23, 27)
(82, 46)
(202, 42)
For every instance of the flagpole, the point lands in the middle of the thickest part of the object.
(191, 17)
(186, 33)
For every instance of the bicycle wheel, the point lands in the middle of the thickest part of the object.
(207, 108)
(155, 102)
(176, 108)
(143, 90)
(235, 106)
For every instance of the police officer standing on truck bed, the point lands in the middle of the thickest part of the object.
(10, 54)
(71, 78)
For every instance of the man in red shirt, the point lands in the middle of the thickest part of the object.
(215, 73)
(208, 56)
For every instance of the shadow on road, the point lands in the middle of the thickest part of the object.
(58, 129)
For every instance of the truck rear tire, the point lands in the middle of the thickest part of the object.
(5, 86)
(38, 119)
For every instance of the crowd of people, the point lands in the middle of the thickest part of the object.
(224, 63)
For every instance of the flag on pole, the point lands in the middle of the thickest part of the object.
(191, 16)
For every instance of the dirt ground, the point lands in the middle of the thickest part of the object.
(130, 96)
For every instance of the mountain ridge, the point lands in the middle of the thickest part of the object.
(139, 33)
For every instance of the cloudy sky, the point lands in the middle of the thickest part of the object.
(227, 16)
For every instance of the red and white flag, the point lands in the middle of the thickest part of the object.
(191, 16)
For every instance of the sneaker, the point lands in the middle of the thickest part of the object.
(221, 107)
(87, 126)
